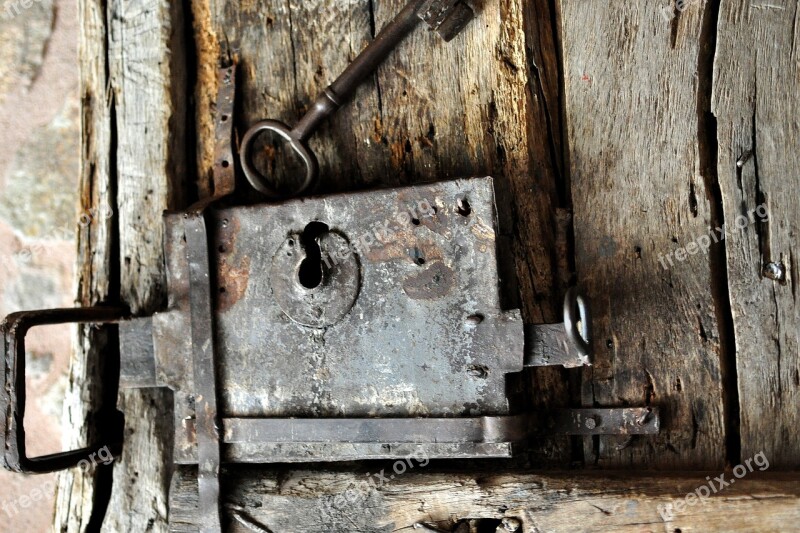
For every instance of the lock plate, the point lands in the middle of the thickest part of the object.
(408, 319)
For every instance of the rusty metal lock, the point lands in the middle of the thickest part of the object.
(346, 327)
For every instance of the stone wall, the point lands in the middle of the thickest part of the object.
(40, 136)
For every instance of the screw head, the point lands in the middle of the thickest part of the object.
(590, 423)
(774, 271)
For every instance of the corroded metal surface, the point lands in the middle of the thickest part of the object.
(224, 175)
(472, 430)
(565, 344)
(363, 313)
(260, 440)
(446, 17)
(407, 345)
(205, 371)
(426, 316)
(310, 291)
(200, 311)
(621, 421)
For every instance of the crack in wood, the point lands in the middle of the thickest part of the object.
(708, 151)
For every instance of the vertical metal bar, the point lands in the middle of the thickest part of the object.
(202, 333)
(224, 163)
(200, 310)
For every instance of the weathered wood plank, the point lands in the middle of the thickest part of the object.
(149, 79)
(636, 141)
(535, 206)
(134, 88)
(148, 76)
(756, 104)
(314, 501)
(95, 243)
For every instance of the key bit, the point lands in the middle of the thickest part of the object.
(446, 17)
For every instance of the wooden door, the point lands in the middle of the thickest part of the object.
(626, 139)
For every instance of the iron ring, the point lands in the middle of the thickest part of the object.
(573, 301)
(258, 180)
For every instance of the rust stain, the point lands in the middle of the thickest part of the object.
(434, 282)
(483, 231)
(405, 247)
(208, 51)
(233, 282)
(377, 134)
(233, 275)
(228, 227)
(397, 153)
(191, 432)
(405, 198)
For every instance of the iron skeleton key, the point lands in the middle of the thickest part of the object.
(446, 17)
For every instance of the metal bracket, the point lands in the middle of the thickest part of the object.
(565, 344)
(201, 320)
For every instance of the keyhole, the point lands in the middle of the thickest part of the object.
(310, 273)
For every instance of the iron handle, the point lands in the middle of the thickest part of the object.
(12, 395)
(295, 142)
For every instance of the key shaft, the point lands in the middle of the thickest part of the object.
(446, 17)
(364, 65)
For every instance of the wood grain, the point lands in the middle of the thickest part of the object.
(756, 104)
(319, 501)
(635, 140)
(149, 79)
(135, 166)
(95, 280)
